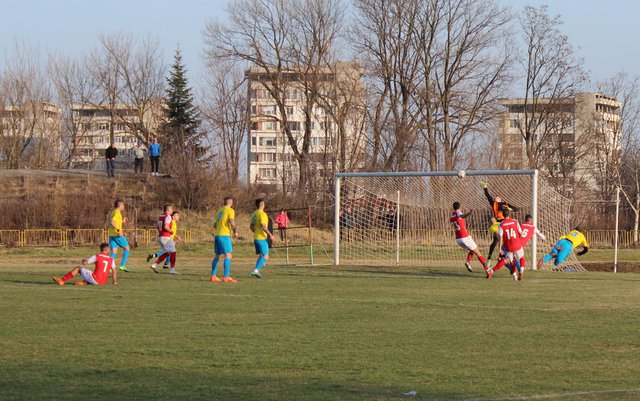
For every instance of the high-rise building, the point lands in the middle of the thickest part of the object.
(576, 137)
(335, 129)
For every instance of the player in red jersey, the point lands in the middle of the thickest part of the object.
(510, 234)
(167, 246)
(463, 239)
(528, 231)
(103, 263)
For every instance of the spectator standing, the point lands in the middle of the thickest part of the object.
(282, 220)
(110, 155)
(138, 154)
(154, 156)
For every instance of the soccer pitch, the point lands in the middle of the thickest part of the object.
(314, 333)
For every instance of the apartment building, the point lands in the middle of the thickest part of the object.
(577, 137)
(95, 124)
(336, 127)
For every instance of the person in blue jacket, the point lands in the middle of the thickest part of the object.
(154, 156)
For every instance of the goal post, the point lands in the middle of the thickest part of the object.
(384, 218)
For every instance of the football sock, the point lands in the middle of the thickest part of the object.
(227, 267)
(67, 277)
(499, 265)
(173, 260)
(161, 258)
(517, 266)
(214, 266)
(469, 257)
(482, 260)
(260, 263)
(522, 262)
(125, 256)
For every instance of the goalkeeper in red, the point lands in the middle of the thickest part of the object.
(463, 239)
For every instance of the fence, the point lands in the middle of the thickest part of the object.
(83, 237)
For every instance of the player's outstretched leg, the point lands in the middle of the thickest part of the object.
(262, 250)
(467, 264)
(226, 278)
(68, 276)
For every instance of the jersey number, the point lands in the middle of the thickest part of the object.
(511, 233)
(455, 225)
(525, 233)
(106, 265)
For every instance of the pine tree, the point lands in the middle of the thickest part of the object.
(183, 118)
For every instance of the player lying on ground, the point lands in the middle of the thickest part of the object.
(567, 243)
(116, 234)
(510, 236)
(260, 227)
(497, 207)
(463, 239)
(103, 264)
(167, 245)
(175, 218)
(223, 225)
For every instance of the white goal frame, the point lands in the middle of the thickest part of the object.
(337, 206)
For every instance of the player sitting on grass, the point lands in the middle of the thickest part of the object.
(497, 207)
(510, 234)
(167, 245)
(260, 227)
(175, 217)
(103, 264)
(567, 243)
(463, 239)
(223, 224)
(116, 234)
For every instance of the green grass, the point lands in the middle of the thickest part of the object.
(318, 333)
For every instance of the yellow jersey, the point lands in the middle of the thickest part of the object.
(576, 238)
(258, 218)
(223, 223)
(494, 227)
(114, 218)
(174, 229)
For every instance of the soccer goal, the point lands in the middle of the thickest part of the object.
(392, 219)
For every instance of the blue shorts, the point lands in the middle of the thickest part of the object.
(222, 244)
(116, 241)
(262, 246)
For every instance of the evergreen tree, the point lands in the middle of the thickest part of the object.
(183, 118)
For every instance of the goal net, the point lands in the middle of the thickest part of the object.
(390, 219)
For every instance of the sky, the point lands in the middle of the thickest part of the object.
(606, 32)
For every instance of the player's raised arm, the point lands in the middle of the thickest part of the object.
(485, 187)
(540, 235)
(465, 215)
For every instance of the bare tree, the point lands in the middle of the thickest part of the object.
(287, 44)
(74, 85)
(29, 129)
(552, 74)
(225, 111)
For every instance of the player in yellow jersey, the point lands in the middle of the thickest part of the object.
(260, 227)
(175, 218)
(224, 225)
(117, 239)
(562, 249)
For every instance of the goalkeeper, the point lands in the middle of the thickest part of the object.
(567, 243)
(497, 207)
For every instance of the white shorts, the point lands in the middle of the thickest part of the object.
(87, 275)
(467, 243)
(511, 256)
(166, 244)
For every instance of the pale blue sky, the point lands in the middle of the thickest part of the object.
(606, 31)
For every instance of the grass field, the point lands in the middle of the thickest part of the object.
(318, 333)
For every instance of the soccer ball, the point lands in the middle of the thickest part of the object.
(461, 174)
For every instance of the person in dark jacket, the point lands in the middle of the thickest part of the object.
(498, 206)
(110, 154)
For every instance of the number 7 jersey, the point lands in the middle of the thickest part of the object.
(104, 263)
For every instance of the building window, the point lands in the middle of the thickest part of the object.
(268, 141)
(103, 126)
(253, 157)
(292, 94)
(294, 125)
(289, 110)
(326, 125)
(513, 123)
(255, 126)
(270, 125)
(267, 173)
(253, 140)
(268, 157)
